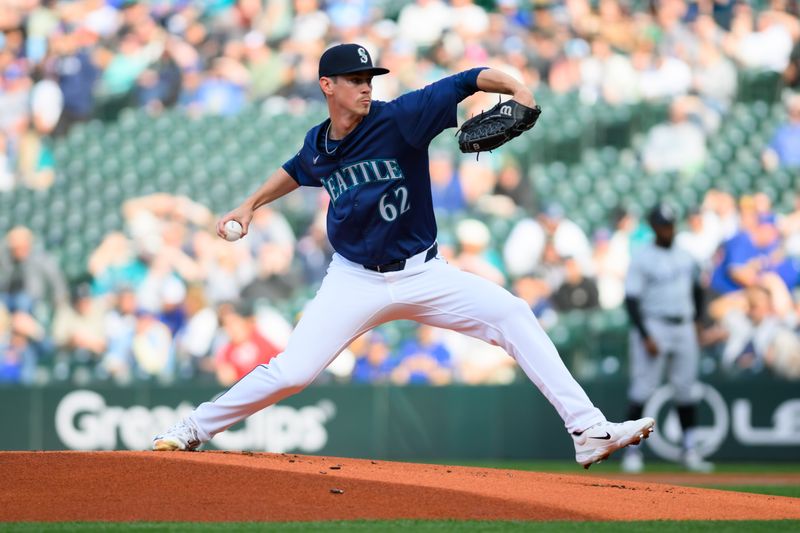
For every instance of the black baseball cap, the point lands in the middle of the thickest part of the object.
(662, 215)
(347, 59)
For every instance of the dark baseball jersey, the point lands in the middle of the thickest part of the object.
(377, 177)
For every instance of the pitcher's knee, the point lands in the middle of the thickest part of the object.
(292, 379)
(515, 311)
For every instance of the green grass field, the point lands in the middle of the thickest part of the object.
(660, 467)
(569, 467)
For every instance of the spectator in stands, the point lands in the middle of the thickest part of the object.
(120, 329)
(23, 343)
(153, 355)
(610, 268)
(513, 185)
(173, 312)
(265, 67)
(759, 335)
(194, 340)
(791, 76)
(275, 279)
(515, 16)
(128, 63)
(675, 39)
(10, 362)
(79, 328)
(678, 145)
(577, 291)
(714, 78)
(551, 268)
(310, 22)
(789, 225)
(477, 178)
(753, 253)
(720, 215)
(475, 256)
(189, 97)
(149, 218)
(7, 178)
(766, 48)
(114, 265)
(524, 248)
(270, 227)
(565, 73)
(698, 239)
(46, 105)
(784, 148)
(76, 74)
(423, 22)
(607, 76)
(448, 197)
(374, 363)
(468, 20)
(536, 294)
(224, 90)
(228, 267)
(424, 360)
(245, 347)
(30, 280)
(158, 87)
(314, 250)
(35, 160)
(303, 79)
(159, 282)
(616, 25)
(14, 97)
(477, 363)
(660, 76)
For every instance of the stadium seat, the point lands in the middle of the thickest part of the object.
(755, 86)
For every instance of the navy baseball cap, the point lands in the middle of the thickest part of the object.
(347, 59)
(662, 215)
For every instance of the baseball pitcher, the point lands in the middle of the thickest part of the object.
(372, 159)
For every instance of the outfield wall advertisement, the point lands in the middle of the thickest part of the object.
(755, 420)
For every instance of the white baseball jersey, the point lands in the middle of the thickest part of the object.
(662, 279)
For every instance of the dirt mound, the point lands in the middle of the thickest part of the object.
(220, 486)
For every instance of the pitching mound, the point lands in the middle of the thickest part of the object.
(220, 486)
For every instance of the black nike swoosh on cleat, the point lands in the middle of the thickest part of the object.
(607, 437)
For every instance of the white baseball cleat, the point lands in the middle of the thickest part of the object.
(601, 440)
(180, 437)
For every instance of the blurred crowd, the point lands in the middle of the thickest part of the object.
(63, 62)
(166, 300)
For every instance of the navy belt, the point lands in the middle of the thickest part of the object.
(396, 266)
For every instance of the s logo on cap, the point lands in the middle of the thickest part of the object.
(362, 54)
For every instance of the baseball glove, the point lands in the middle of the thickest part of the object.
(496, 126)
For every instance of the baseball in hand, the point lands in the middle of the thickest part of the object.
(233, 231)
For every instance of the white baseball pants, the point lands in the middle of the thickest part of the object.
(678, 357)
(353, 300)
